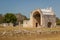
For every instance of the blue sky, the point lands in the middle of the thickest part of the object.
(26, 6)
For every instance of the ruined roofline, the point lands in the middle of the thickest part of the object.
(47, 11)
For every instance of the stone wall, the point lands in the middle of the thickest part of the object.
(49, 18)
(46, 18)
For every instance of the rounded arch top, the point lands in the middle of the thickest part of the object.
(36, 11)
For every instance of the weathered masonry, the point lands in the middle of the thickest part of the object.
(41, 18)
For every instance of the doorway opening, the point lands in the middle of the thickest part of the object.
(49, 24)
(37, 18)
(36, 24)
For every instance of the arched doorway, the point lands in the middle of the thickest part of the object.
(37, 18)
(49, 24)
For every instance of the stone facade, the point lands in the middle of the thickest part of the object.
(41, 18)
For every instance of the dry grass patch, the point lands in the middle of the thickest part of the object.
(11, 35)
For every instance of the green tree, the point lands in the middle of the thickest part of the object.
(10, 17)
(1, 18)
(57, 21)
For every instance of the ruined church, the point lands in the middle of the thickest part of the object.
(41, 18)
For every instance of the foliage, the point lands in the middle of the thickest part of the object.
(57, 21)
(1, 18)
(9, 17)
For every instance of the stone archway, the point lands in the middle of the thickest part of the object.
(37, 18)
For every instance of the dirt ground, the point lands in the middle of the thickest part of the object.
(52, 34)
(31, 37)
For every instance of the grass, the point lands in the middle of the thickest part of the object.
(32, 36)
(30, 29)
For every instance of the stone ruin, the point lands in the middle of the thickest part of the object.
(41, 18)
